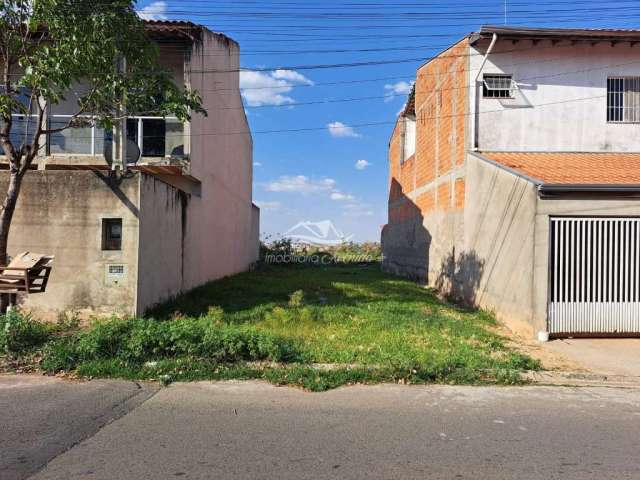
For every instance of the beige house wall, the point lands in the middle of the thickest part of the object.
(495, 268)
(60, 213)
(163, 217)
(220, 237)
(504, 266)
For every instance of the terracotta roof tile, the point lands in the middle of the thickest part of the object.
(173, 29)
(573, 168)
(410, 107)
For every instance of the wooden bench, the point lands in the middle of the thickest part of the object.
(27, 273)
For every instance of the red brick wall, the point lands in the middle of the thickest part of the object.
(441, 117)
(441, 113)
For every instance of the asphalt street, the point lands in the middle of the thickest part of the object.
(252, 430)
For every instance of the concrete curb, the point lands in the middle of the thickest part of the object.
(581, 379)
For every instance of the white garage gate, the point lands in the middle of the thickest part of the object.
(594, 280)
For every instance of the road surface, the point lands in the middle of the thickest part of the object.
(251, 430)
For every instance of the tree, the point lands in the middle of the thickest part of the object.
(46, 47)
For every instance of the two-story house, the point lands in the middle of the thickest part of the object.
(179, 215)
(515, 178)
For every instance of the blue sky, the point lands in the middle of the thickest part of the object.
(334, 171)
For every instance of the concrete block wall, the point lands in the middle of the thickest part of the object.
(60, 213)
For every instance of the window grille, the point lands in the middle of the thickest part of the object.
(623, 99)
(497, 86)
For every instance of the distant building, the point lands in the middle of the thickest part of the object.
(515, 178)
(182, 214)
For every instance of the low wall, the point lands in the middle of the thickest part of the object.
(60, 213)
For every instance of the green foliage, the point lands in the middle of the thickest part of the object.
(60, 355)
(20, 333)
(135, 341)
(284, 251)
(276, 323)
(281, 247)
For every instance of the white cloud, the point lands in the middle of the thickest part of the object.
(357, 209)
(301, 184)
(257, 164)
(308, 186)
(154, 11)
(362, 164)
(268, 206)
(340, 130)
(395, 89)
(270, 88)
(292, 76)
(341, 197)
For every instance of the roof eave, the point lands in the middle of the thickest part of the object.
(556, 189)
(593, 35)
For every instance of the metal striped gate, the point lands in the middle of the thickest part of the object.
(594, 284)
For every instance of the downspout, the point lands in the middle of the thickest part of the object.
(476, 115)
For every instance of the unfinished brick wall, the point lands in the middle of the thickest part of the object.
(441, 114)
(426, 194)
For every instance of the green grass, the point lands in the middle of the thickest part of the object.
(275, 323)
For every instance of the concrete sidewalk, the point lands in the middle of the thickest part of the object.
(251, 430)
(42, 417)
(606, 356)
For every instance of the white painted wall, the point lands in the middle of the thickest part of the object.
(550, 112)
(409, 136)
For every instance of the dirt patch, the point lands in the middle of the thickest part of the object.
(550, 360)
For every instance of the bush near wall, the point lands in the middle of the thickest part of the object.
(350, 252)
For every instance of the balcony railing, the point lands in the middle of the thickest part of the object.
(154, 136)
(89, 140)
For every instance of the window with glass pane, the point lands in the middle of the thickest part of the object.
(153, 137)
(497, 86)
(71, 140)
(623, 99)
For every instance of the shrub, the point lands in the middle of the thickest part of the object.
(19, 333)
(60, 355)
(233, 343)
(139, 340)
(104, 339)
(281, 247)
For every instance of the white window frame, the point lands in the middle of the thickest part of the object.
(623, 100)
(508, 87)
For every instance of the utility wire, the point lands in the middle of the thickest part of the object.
(368, 124)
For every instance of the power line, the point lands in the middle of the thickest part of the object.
(424, 60)
(368, 124)
(389, 95)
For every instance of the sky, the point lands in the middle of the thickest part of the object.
(339, 72)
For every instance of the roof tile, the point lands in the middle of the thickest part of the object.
(573, 168)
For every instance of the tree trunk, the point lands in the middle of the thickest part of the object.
(6, 214)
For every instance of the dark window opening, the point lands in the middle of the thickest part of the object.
(154, 132)
(111, 234)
